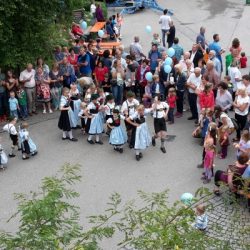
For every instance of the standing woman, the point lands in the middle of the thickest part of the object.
(43, 88)
(11, 82)
(40, 63)
(241, 105)
(224, 98)
(235, 50)
(141, 72)
(73, 59)
(99, 73)
(55, 85)
(117, 81)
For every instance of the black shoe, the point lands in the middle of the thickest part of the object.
(196, 122)
(90, 141)
(121, 150)
(130, 146)
(200, 165)
(25, 158)
(11, 155)
(73, 139)
(116, 149)
(163, 150)
(65, 138)
(140, 154)
(190, 118)
(19, 149)
(137, 157)
(34, 153)
(153, 141)
(99, 142)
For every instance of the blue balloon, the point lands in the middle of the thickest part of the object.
(149, 76)
(148, 29)
(100, 33)
(187, 198)
(84, 25)
(168, 61)
(167, 69)
(171, 52)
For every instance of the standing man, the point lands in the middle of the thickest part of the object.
(27, 78)
(215, 60)
(193, 83)
(171, 34)
(154, 56)
(200, 39)
(93, 12)
(196, 54)
(178, 49)
(164, 22)
(136, 50)
(84, 62)
(217, 48)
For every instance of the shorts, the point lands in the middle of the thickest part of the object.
(160, 125)
(14, 139)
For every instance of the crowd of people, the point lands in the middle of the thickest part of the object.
(96, 91)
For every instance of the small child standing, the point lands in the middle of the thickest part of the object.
(147, 96)
(82, 116)
(208, 162)
(201, 219)
(28, 146)
(243, 60)
(156, 39)
(11, 129)
(118, 136)
(22, 101)
(171, 100)
(224, 141)
(13, 105)
(3, 158)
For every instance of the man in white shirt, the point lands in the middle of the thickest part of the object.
(193, 83)
(27, 78)
(164, 22)
(235, 74)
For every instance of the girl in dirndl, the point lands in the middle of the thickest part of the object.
(27, 144)
(109, 107)
(118, 136)
(94, 126)
(64, 122)
(141, 138)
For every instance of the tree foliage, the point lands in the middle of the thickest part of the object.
(49, 221)
(28, 28)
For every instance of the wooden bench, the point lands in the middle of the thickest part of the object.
(97, 26)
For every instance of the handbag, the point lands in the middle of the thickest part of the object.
(113, 82)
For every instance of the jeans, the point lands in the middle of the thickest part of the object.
(23, 111)
(117, 92)
(164, 32)
(192, 99)
(31, 96)
(3, 103)
(171, 115)
(179, 101)
(13, 113)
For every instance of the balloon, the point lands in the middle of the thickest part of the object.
(149, 76)
(171, 52)
(148, 29)
(83, 25)
(167, 69)
(187, 198)
(100, 33)
(168, 61)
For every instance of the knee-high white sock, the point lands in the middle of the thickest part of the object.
(12, 149)
(90, 137)
(137, 151)
(97, 138)
(64, 134)
(162, 142)
(70, 134)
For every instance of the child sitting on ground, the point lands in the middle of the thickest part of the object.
(201, 219)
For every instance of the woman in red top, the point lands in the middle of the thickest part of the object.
(72, 59)
(207, 97)
(100, 72)
(141, 76)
